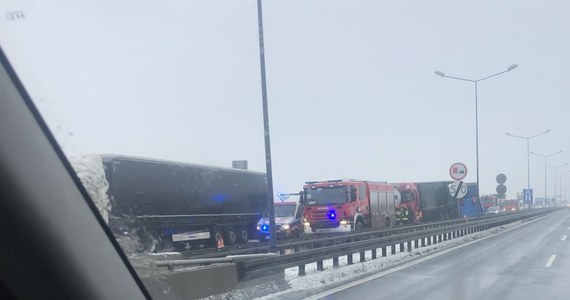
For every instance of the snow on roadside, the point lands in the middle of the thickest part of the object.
(335, 276)
(314, 280)
(90, 170)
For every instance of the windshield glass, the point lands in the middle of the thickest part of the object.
(285, 210)
(185, 121)
(407, 196)
(326, 196)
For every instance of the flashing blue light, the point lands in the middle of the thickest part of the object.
(332, 215)
(264, 227)
(219, 198)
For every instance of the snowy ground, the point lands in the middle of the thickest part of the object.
(316, 281)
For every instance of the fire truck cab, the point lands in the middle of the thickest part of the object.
(346, 205)
(408, 209)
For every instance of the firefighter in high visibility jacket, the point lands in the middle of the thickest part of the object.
(405, 216)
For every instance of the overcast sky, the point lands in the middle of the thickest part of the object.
(351, 84)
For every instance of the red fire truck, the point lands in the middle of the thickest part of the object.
(509, 205)
(488, 201)
(345, 205)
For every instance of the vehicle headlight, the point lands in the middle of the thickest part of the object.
(307, 224)
(258, 227)
(344, 222)
(285, 227)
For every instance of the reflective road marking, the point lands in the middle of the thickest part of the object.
(550, 261)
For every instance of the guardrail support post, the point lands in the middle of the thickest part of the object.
(384, 251)
(402, 247)
(429, 240)
(320, 266)
(393, 250)
(302, 270)
(349, 259)
(374, 253)
(335, 262)
(409, 246)
(445, 236)
(362, 256)
(423, 242)
(416, 242)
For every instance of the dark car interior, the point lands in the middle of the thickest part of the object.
(54, 243)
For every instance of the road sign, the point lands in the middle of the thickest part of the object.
(458, 171)
(501, 189)
(501, 178)
(458, 189)
(527, 196)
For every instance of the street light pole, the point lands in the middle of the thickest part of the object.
(268, 168)
(476, 82)
(565, 190)
(555, 173)
(562, 184)
(546, 170)
(527, 138)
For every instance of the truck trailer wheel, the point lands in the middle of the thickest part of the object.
(359, 226)
(231, 236)
(387, 223)
(151, 242)
(243, 235)
(138, 245)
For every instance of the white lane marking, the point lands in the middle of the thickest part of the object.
(564, 237)
(410, 264)
(550, 261)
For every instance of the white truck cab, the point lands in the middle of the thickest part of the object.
(288, 218)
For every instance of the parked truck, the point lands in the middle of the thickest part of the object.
(470, 206)
(347, 205)
(427, 201)
(183, 205)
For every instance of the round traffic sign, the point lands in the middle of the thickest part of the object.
(501, 189)
(501, 178)
(458, 171)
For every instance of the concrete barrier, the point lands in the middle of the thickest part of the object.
(195, 283)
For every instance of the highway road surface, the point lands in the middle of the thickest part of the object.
(531, 261)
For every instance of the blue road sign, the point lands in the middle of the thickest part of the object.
(527, 196)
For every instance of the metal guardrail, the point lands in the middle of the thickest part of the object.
(170, 264)
(318, 241)
(250, 269)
